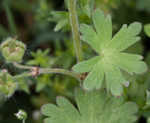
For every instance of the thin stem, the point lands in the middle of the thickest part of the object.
(22, 66)
(59, 71)
(12, 25)
(75, 28)
(25, 74)
(23, 121)
(44, 71)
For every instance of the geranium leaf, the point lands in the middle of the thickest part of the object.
(111, 60)
(92, 107)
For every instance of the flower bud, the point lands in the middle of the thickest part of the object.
(21, 115)
(13, 50)
(7, 85)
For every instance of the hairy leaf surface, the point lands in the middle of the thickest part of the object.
(111, 59)
(92, 107)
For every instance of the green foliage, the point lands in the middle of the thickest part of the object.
(147, 29)
(147, 99)
(23, 85)
(111, 59)
(136, 91)
(143, 5)
(42, 82)
(84, 10)
(43, 10)
(62, 19)
(86, 6)
(113, 70)
(93, 107)
(41, 58)
(67, 57)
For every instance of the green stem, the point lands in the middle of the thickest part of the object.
(25, 74)
(45, 70)
(23, 121)
(12, 25)
(75, 28)
(59, 71)
(22, 66)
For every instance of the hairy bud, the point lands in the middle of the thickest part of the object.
(7, 85)
(13, 50)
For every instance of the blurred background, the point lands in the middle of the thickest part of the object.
(43, 25)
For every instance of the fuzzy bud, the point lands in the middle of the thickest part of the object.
(13, 50)
(7, 85)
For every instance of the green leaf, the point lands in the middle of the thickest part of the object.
(23, 85)
(147, 29)
(41, 58)
(86, 66)
(111, 59)
(103, 26)
(88, 35)
(94, 79)
(86, 6)
(92, 107)
(60, 25)
(125, 37)
(61, 18)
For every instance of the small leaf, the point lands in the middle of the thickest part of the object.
(60, 25)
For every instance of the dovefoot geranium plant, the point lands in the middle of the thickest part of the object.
(107, 80)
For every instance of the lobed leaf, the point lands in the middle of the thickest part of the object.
(111, 60)
(126, 37)
(93, 107)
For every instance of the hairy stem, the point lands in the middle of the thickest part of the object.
(59, 71)
(75, 28)
(44, 71)
(25, 74)
(22, 66)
